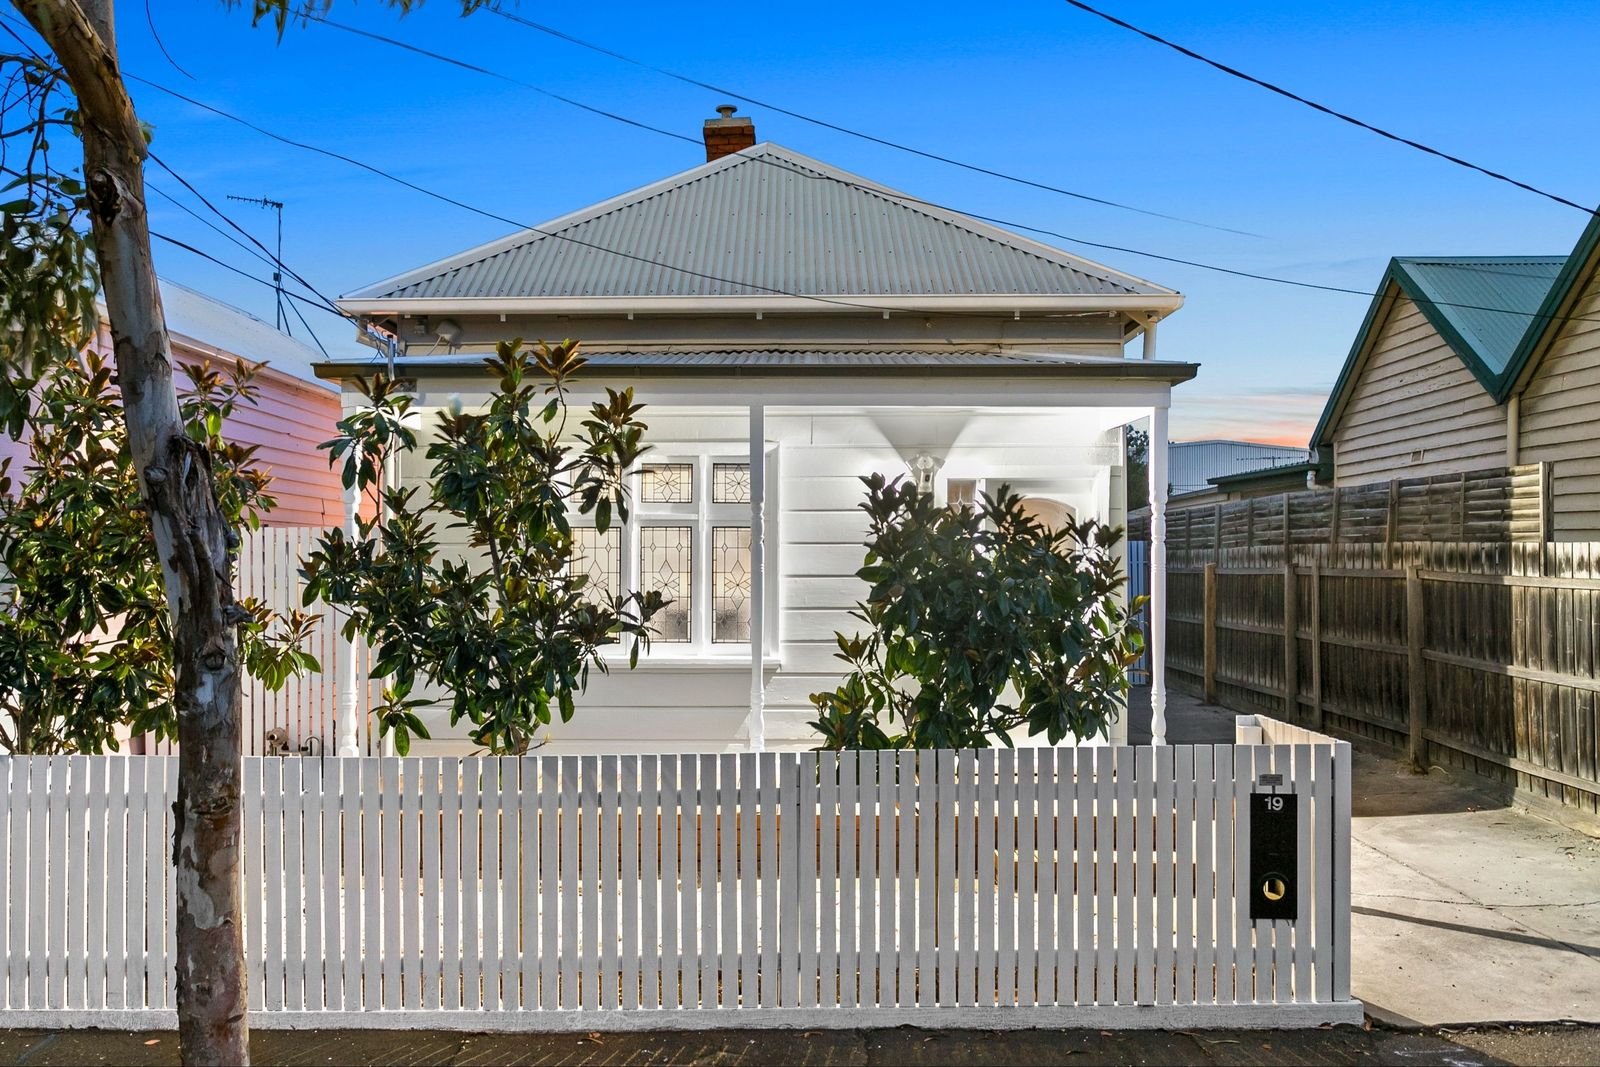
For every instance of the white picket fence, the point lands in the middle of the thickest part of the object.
(306, 708)
(1052, 887)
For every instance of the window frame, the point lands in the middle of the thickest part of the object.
(702, 515)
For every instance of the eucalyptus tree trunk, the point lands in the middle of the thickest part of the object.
(193, 540)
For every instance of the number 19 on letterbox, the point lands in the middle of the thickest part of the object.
(1273, 856)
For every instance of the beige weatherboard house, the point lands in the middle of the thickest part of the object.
(791, 327)
(1470, 363)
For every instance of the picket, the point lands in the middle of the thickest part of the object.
(758, 889)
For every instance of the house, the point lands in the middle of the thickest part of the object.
(791, 327)
(294, 411)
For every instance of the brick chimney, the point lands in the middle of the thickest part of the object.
(727, 134)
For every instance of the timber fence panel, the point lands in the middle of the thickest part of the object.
(1485, 661)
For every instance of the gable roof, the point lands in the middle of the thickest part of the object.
(197, 317)
(1579, 268)
(1479, 305)
(761, 222)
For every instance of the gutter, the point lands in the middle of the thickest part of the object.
(699, 305)
(1127, 370)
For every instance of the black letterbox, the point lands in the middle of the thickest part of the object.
(1274, 857)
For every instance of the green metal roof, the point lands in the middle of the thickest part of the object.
(1549, 316)
(1480, 305)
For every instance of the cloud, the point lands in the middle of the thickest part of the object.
(1282, 416)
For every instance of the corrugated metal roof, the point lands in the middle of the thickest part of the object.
(771, 220)
(223, 326)
(804, 357)
(1488, 300)
(1192, 464)
(861, 358)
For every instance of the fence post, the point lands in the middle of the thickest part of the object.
(1291, 644)
(1210, 669)
(1333, 523)
(1546, 520)
(1392, 532)
(1316, 644)
(1416, 676)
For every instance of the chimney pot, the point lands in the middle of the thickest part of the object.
(728, 133)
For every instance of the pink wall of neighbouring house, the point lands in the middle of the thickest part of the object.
(293, 413)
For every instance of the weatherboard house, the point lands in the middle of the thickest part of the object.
(791, 327)
(1470, 363)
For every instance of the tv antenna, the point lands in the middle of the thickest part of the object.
(277, 265)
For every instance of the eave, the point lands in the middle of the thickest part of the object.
(986, 304)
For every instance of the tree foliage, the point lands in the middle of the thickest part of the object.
(979, 621)
(1138, 470)
(511, 630)
(47, 269)
(85, 639)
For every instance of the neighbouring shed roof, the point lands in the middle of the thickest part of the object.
(1480, 305)
(764, 221)
(205, 319)
(1261, 475)
(805, 362)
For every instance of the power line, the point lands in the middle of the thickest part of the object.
(904, 198)
(474, 209)
(1323, 108)
(290, 293)
(275, 259)
(453, 61)
(555, 234)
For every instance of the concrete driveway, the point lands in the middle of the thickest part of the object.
(1466, 909)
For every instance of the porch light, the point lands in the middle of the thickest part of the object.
(923, 469)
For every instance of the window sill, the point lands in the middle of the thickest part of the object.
(691, 661)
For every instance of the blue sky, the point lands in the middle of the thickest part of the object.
(1032, 87)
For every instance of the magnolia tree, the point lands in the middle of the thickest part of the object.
(512, 628)
(979, 621)
(85, 637)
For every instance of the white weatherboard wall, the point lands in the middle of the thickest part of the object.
(675, 702)
(648, 892)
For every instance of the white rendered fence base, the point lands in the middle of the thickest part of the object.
(1093, 887)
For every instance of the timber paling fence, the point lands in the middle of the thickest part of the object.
(1048, 887)
(1501, 504)
(1479, 656)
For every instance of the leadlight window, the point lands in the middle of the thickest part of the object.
(730, 583)
(666, 483)
(597, 556)
(688, 539)
(666, 566)
(730, 483)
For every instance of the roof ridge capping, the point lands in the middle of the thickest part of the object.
(678, 221)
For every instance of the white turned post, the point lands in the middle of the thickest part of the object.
(1157, 465)
(348, 706)
(756, 724)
